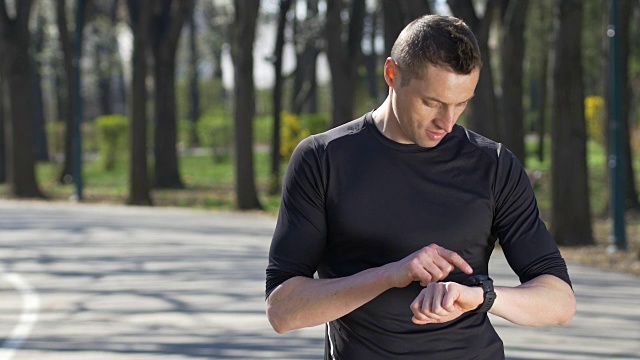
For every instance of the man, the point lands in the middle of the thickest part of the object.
(398, 213)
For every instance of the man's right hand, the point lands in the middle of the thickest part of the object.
(430, 264)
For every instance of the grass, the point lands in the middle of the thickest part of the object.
(596, 163)
(209, 184)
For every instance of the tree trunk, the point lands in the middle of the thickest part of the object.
(3, 161)
(304, 95)
(58, 93)
(67, 51)
(166, 29)
(119, 95)
(398, 14)
(484, 111)
(512, 51)
(570, 210)
(343, 58)
(42, 151)
(274, 186)
(17, 74)
(194, 79)
(542, 111)
(624, 16)
(305, 83)
(105, 72)
(371, 59)
(106, 50)
(139, 190)
(246, 15)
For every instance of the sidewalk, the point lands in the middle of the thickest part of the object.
(113, 282)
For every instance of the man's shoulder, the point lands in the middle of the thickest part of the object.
(492, 148)
(340, 133)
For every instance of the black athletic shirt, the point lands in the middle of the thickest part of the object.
(353, 199)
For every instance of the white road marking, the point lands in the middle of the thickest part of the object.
(28, 317)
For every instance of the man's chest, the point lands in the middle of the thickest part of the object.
(376, 217)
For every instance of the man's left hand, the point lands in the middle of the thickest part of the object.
(440, 302)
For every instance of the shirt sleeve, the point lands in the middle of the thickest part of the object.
(299, 239)
(525, 240)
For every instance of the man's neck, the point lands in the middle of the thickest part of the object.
(381, 116)
(385, 120)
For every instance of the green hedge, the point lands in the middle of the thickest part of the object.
(113, 133)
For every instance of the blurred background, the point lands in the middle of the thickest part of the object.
(200, 103)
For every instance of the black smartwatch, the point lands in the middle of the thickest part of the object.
(487, 286)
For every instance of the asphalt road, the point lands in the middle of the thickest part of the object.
(114, 282)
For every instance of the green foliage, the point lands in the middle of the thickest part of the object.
(262, 130)
(597, 167)
(291, 134)
(315, 123)
(593, 61)
(216, 133)
(56, 136)
(112, 137)
(208, 186)
(183, 128)
(594, 115)
(212, 97)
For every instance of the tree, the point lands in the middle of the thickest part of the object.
(625, 10)
(194, 79)
(343, 52)
(306, 36)
(139, 189)
(512, 51)
(166, 27)
(3, 167)
(371, 57)
(106, 47)
(68, 55)
(540, 25)
(246, 15)
(277, 97)
(484, 111)
(570, 210)
(16, 72)
(397, 15)
(17, 75)
(42, 152)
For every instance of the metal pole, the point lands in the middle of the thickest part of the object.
(616, 163)
(77, 98)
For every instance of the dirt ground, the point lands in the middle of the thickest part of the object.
(598, 256)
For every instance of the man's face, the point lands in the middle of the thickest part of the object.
(427, 108)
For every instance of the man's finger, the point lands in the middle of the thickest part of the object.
(416, 309)
(436, 301)
(455, 259)
(435, 271)
(421, 274)
(450, 298)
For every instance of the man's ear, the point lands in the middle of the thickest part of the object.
(391, 72)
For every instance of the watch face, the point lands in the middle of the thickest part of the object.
(477, 280)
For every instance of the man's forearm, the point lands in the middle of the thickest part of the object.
(545, 300)
(302, 302)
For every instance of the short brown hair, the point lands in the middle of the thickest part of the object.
(439, 40)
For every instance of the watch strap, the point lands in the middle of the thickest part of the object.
(489, 295)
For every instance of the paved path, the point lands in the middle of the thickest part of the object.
(110, 282)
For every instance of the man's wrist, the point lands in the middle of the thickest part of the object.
(478, 297)
(485, 283)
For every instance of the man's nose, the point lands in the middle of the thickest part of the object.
(447, 119)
